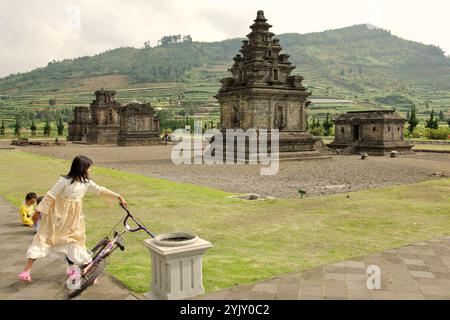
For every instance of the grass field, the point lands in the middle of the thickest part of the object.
(432, 147)
(252, 241)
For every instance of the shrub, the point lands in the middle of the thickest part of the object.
(327, 125)
(437, 134)
(317, 131)
(417, 133)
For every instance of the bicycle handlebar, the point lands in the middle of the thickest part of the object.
(140, 227)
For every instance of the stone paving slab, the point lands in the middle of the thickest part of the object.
(48, 275)
(419, 271)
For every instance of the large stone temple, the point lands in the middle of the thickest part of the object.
(106, 121)
(262, 94)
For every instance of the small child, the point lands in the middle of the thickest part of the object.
(37, 216)
(26, 210)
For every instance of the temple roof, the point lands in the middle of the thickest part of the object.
(370, 115)
(260, 62)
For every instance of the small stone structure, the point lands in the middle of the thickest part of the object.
(78, 128)
(176, 266)
(262, 94)
(106, 121)
(374, 132)
(138, 125)
(104, 124)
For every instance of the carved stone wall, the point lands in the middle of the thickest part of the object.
(138, 125)
(78, 128)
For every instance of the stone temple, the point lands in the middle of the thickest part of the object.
(104, 124)
(262, 94)
(372, 132)
(106, 121)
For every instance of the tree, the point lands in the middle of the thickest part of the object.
(441, 116)
(408, 115)
(432, 123)
(2, 128)
(52, 102)
(315, 124)
(147, 45)
(412, 121)
(60, 127)
(187, 38)
(17, 128)
(33, 128)
(448, 122)
(327, 125)
(47, 128)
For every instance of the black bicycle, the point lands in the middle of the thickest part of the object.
(102, 250)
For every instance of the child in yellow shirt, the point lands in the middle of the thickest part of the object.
(26, 210)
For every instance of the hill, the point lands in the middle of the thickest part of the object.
(361, 63)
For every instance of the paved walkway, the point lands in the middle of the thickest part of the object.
(419, 271)
(48, 274)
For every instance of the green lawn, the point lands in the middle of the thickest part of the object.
(252, 240)
(432, 147)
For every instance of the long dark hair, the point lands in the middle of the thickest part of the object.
(79, 169)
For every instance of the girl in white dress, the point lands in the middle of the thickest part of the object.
(62, 226)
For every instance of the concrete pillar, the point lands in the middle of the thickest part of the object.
(176, 266)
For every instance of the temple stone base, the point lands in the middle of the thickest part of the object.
(103, 137)
(293, 146)
(383, 149)
(141, 139)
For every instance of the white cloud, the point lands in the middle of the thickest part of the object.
(35, 32)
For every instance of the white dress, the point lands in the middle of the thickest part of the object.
(62, 226)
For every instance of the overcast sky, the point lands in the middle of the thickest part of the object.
(34, 32)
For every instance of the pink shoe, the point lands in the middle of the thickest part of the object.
(73, 273)
(25, 276)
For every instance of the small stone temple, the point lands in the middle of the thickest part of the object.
(261, 93)
(138, 125)
(79, 126)
(104, 124)
(106, 121)
(373, 132)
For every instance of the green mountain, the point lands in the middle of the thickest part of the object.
(361, 63)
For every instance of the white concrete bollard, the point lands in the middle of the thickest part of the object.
(176, 266)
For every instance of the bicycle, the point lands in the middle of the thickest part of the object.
(102, 250)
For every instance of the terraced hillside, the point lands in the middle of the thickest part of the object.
(365, 65)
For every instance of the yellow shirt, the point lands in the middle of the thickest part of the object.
(26, 212)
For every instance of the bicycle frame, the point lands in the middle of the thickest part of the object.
(108, 246)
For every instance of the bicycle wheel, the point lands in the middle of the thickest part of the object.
(88, 279)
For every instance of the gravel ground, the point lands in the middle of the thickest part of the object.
(318, 177)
